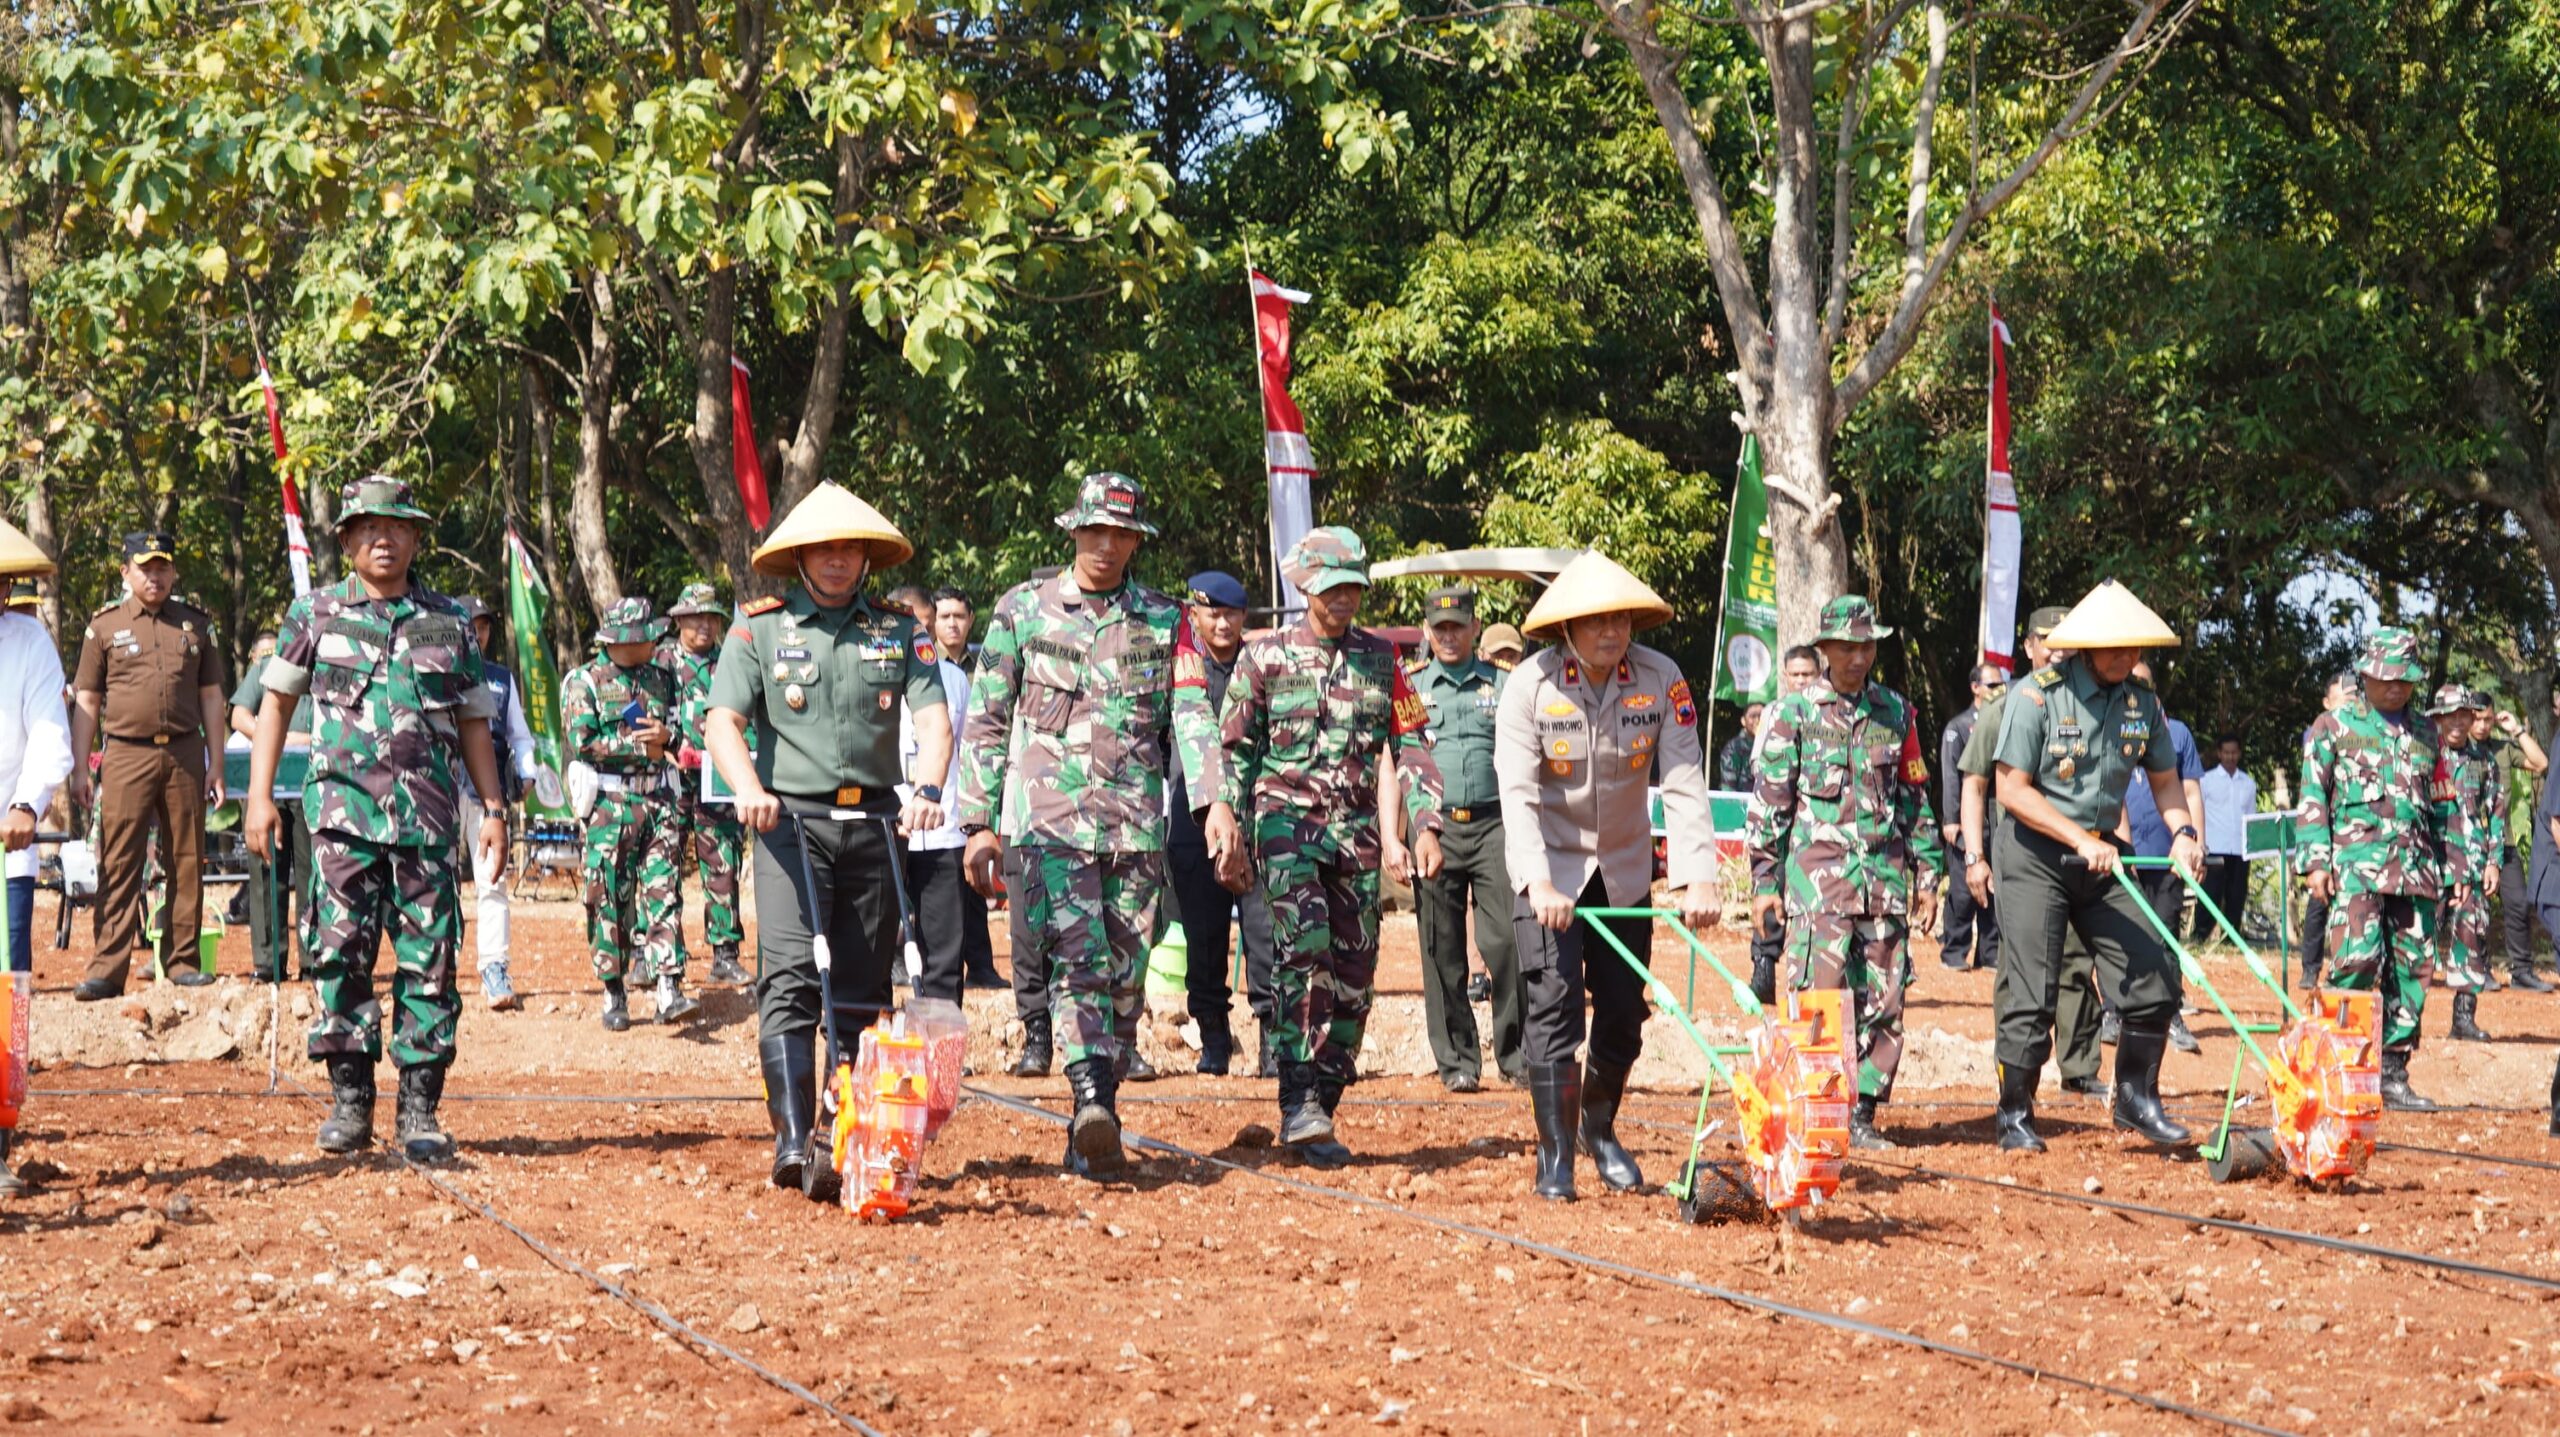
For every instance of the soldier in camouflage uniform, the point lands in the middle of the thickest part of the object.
(1088, 692)
(396, 678)
(618, 712)
(2368, 840)
(1312, 710)
(1843, 841)
(2471, 811)
(718, 839)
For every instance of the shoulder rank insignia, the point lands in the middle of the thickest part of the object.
(2048, 677)
(765, 605)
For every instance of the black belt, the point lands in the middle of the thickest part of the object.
(869, 802)
(157, 740)
(1482, 813)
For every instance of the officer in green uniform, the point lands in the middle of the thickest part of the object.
(2071, 739)
(1461, 692)
(818, 676)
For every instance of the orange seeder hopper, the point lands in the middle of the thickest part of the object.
(1793, 1100)
(890, 1101)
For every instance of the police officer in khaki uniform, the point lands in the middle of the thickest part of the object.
(150, 681)
(2073, 736)
(1583, 726)
(818, 675)
(1460, 692)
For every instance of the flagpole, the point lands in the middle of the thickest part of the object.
(1262, 388)
(1724, 589)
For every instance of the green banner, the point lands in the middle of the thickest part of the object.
(1747, 630)
(537, 677)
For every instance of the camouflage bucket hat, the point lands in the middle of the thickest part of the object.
(2391, 655)
(697, 598)
(2453, 699)
(1108, 498)
(631, 621)
(1327, 558)
(1850, 619)
(378, 495)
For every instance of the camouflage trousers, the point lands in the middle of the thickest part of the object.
(1324, 944)
(359, 893)
(719, 844)
(2463, 950)
(1090, 918)
(1871, 958)
(634, 907)
(2384, 942)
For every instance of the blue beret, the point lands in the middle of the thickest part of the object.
(1217, 590)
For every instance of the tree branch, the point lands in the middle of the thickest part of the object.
(1844, 187)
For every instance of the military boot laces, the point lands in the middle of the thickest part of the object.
(422, 1138)
(617, 1006)
(1862, 1128)
(1602, 1090)
(1093, 1136)
(349, 1126)
(673, 1005)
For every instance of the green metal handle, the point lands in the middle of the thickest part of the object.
(1663, 997)
(2221, 920)
(2187, 961)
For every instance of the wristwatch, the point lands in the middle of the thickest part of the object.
(929, 792)
(2186, 830)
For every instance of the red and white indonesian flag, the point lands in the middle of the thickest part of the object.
(297, 545)
(1999, 518)
(1289, 463)
(746, 463)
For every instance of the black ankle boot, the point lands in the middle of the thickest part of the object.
(1862, 1127)
(2014, 1121)
(1217, 1047)
(790, 1101)
(617, 1006)
(1093, 1138)
(349, 1127)
(1303, 1119)
(2466, 1024)
(1036, 1054)
(2137, 1102)
(422, 1138)
(2529, 979)
(1330, 1151)
(1602, 1090)
(2397, 1095)
(1555, 1097)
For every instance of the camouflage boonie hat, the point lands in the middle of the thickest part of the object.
(2391, 655)
(1327, 558)
(378, 494)
(698, 598)
(1850, 619)
(1108, 498)
(631, 621)
(2454, 698)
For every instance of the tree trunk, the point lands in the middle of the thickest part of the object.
(589, 537)
(235, 562)
(709, 436)
(40, 530)
(540, 422)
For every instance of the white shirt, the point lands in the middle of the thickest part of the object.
(35, 732)
(955, 698)
(2229, 798)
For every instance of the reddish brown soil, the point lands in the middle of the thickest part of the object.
(190, 1258)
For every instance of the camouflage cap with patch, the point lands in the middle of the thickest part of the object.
(631, 621)
(698, 598)
(474, 608)
(378, 495)
(2391, 655)
(1109, 499)
(1327, 558)
(1850, 619)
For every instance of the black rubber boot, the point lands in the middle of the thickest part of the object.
(1303, 1119)
(2137, 1102)
(1093, 1138)
(725, 967)
(617, 1006)
(2555, 1100)
(1329, 1151)
(1555, 1098)
(1132, 1066)
(790, 1101)
(2014, 1121)
(1862, 1128)
(2466, 1015)
(349, 1127)
(422, 1138)
(1764, 976)
(2397, 1095)
(1217, 1047)
(2529, 979)
(1034, 1062)
(1597, 1132)
(11, 1185)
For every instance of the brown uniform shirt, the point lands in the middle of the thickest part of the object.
(152, 668)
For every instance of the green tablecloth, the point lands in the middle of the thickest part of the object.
(289, 772)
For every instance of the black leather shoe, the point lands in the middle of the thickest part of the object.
(191, 977)
(1555, 1099)
(2086, 1083)
(2530, 980)
(2181, 1039)
(1480, 988)
(1132, 1066)
(1463, 1083)
(1093, 1138)
(2014, 1121)
(1036, 1054)
(1862, 1128)
(97, 990)
(790, 1067)
(1217, 1048)
(1602, 1090)
(2136, 1108)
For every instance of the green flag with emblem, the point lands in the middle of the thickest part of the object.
(537, 677)
(1747, 626)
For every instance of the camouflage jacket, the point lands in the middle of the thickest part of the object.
(2471, 811)
(592, 701)
(2368, 803)
(693, 690)
(1840, 818)
(1077, 716)
(1305, 721)
(390, 681)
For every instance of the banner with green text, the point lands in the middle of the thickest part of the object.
(1747, 629)
(537, 677)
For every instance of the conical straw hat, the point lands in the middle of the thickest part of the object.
(1594, 584)
(19, 554)
(828, 514)
(2112, 618)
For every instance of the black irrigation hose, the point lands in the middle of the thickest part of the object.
(1750, 1301)
(2499, 1159)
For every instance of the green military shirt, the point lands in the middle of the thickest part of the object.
(693, 690)
(819, 689)
(1462, 702)
(2082, 742)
